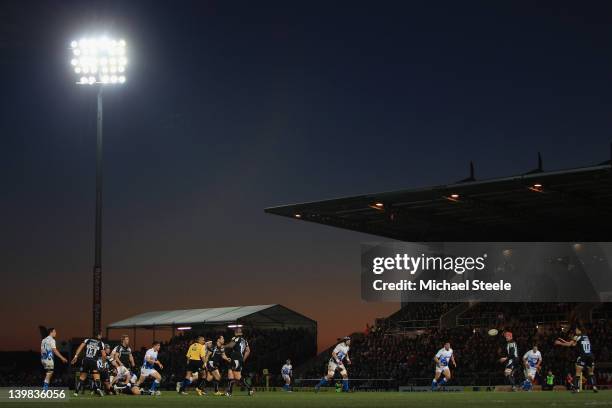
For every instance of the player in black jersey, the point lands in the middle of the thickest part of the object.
(94, 349)
(215, 357)
(104, 368)
(585, 358)
(240, 353)
(122, 354)
(510, 359)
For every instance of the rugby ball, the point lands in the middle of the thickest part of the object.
(493, 332)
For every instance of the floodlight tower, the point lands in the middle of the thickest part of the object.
(99, 62)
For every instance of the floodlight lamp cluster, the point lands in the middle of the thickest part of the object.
(99, 60)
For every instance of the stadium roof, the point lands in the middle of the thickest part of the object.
(259, 315)
(567, 205)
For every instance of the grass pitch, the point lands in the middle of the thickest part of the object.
(170, 399)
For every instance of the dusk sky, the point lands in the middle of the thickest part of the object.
(234, 106)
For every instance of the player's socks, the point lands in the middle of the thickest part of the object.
(216, 385)
(244, 383)
(442, 381)
(97, 387)
(45, 385)
(345, 385)
(593, 382)
(576, 383)
(322, 382)
(154, 386)
(186, 382)
(80, 386)
(230, 387)
(434, 384)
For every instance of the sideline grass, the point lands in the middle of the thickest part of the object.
(170, 399)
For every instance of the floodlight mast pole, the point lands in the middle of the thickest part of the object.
(97, 268)
(95, 59)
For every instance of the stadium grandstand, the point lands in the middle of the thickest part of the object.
(259, 316)
(568, 205)
(565, 205)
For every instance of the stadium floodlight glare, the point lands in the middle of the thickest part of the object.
(233, 326)
(99, 60)
(184, 328)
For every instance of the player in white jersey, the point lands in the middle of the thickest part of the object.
(122, 375)
(336, 362)
(443, 358)
(125, 382)
(148, 368)
(287, 372)
(532, 360)
(47, 351)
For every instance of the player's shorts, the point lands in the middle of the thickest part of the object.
(104, 375)
(128, 390)
(48, 365)
(124, 388)
(333, 366)
(194, 366)
(286, 378)
(146, 372)
(585, 361)
(442, 369)
(236, 364)
(212, 366)
(531, 372)
(89, 366)
(123, 373)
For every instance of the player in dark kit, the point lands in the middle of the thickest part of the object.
(240, 353)
(122, 354)
(510, 359)
(104, 367)
(585, 358)
(214, 359)
(94, 349)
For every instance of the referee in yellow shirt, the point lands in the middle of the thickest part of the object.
(196, 354)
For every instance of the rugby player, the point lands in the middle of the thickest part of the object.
(240, 353)
(215, 357)
(510, 359)
(104, 367)
(122, 354)
(336, 362)
(94, 349)
(124, 382)
(443, 357)
(196, 354)
(286, 372)
(148, 368)
(47, 351)
(585, 358)
(532, 360)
